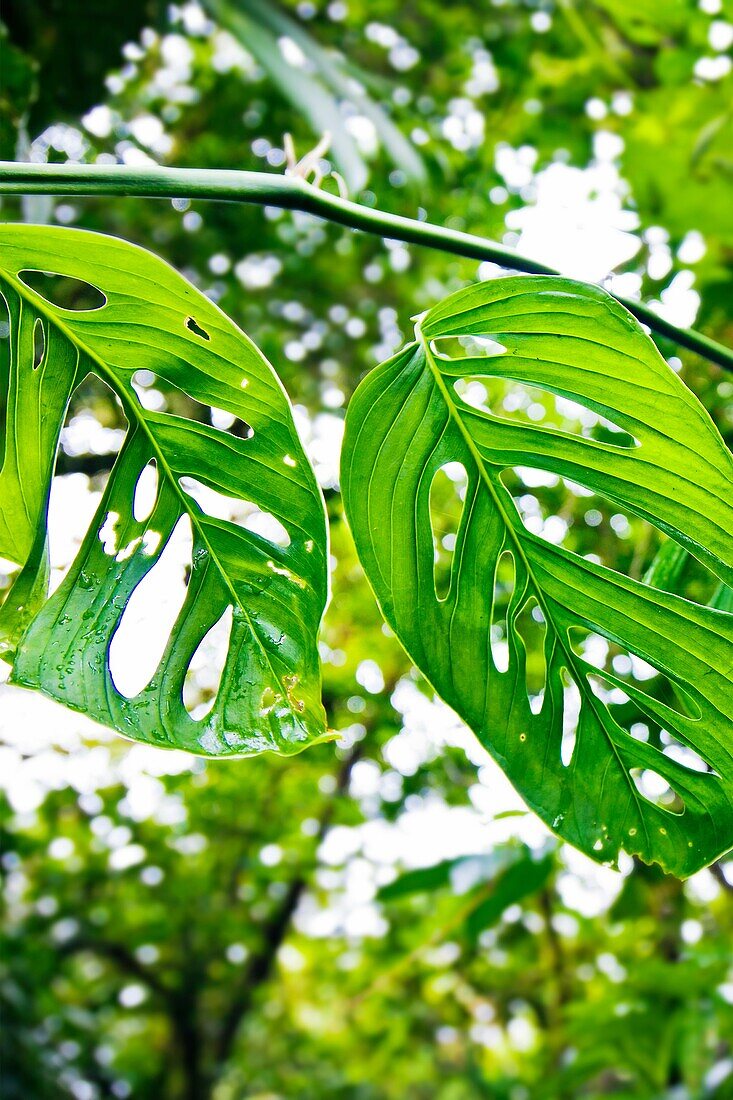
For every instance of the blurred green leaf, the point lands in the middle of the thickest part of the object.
(519, 881)
(316, 87)
(478, 868)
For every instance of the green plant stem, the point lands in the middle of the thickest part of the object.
(293, 193)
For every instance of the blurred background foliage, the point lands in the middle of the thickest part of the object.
(379, 918)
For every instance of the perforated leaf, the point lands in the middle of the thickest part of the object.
(247, 502)
(407, 421)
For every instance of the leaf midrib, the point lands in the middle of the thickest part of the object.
(42, 306)
(580, 679)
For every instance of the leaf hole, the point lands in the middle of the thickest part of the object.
(572, 703)
(627, 713)
(64, 291)
(530, 625)
(4, 372)
(241, 429)
(655, 789)
(541, 504)
(504, 581)
(228, 422)
(146, 492)
(611, 694)
(447, 498)
(39, 343)
(631, 685)
(93, 432)
(452, 348)
(203, 678)
(157, 394)
(243, 513)
(196, 329)
(141, 636)
(533, 406)
(683, 754)
(107, 533)
(4, 319)
(565, 513)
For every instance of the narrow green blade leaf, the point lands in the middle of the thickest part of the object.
(407, 420)
(518, 882)
(481, 868)
(270, 576)
(512, 873)
(343, 81)
(307, 94)
(418, 881)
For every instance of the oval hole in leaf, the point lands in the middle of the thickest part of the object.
(611, 694)
(228, 422)
(157, 393)
(143, 631)
(467, 347)
(683, 754)
(447, 497)
(192, 326)
(268, 527)
(504, 579)
(633, 672)
(244, 513)
(201, 686)
(655, 789)
(4, 369)
(94, 428)
(566, 513)
(518, 403)
(683, 575)
(39, 343)
(64, 291)
(570, 718)
(530, 625)
(146, 492)
(107, 533)
(535, 496)
(242, 429)
(628, 713)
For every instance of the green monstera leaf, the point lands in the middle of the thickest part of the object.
(565, 747)
(241, 509)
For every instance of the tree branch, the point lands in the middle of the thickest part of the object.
(119, 954)
(293, 193)
(717, 871)
(260, 963)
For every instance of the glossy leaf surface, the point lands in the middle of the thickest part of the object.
(248, 502)
(408, 421)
